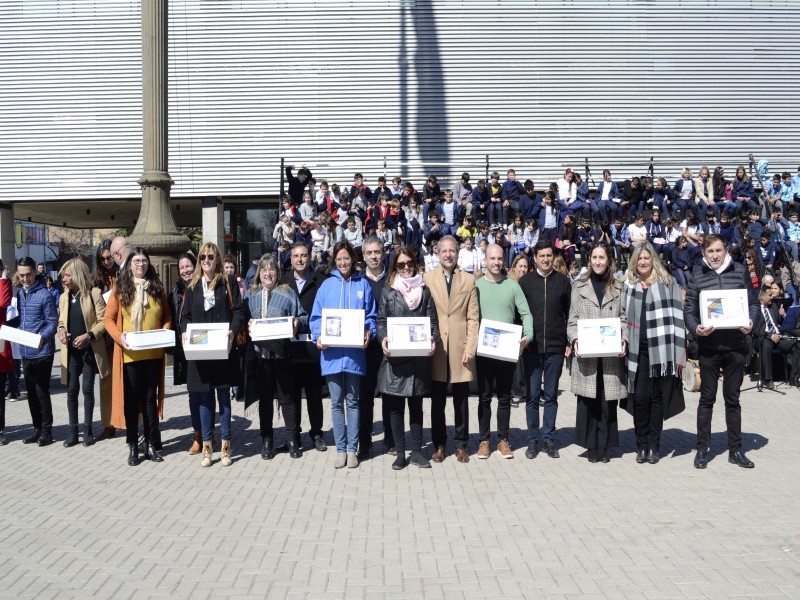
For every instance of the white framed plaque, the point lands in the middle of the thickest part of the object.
(271, 328)
(499, 340)
(150, 339)
(724, 309)
(342, 327)
(409, 336)
(598, 338)
(207, 341)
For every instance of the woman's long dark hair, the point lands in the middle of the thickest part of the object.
(101, 277)
(403, 251)
(338, 247)
(126, 290)
(180, 284)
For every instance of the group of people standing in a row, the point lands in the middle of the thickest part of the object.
(644, 378)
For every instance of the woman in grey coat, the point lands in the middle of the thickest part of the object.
(401, 378)
(599, 383)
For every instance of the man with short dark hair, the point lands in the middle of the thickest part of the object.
(724, 349)
(768, 339)
(305, 356)
(548, 293)
(37, 311)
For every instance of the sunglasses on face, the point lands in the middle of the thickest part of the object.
(210, 257)
(405, 264)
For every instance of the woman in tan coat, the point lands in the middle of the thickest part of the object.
(83, 351)
(137, 303)
(599, 383)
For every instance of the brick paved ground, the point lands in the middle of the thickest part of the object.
(78, 522)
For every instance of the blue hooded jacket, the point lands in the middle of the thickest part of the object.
(37, 314)
(354, 293)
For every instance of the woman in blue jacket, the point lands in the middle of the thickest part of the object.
(744, 195)
(344, 367)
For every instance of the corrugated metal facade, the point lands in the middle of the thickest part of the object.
(535, 84)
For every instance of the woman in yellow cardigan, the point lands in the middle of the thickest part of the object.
(138, 303)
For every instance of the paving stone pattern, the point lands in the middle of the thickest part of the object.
(79, 522)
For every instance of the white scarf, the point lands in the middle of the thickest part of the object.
(208, 296)
(725, 264)
(139, 305)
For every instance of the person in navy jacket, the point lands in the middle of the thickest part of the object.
(481, 198)
(510, 193)
(607, 197)
(530, 203)
(663, 197)
(744, 195)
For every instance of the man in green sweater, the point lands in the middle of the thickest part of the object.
(501, 299)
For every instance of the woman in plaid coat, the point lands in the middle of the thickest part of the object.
(598, 382)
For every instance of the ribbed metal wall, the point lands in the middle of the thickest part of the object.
(431, 86)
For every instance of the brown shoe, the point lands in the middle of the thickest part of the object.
(504, 449)
(107, 433)
(439, 455)
(483, 450)
(461, 455)
(197, 443)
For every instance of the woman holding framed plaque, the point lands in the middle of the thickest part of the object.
(599, 382)
(344, 309)
(138, 302)
(657, 353)
(406, 297)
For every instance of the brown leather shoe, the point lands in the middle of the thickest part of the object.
(461, 455)
(483, 450)
(197, 443)
(439, 455)
(504, 449)
(107, 434)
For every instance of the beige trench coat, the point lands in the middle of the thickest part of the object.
(93, 309)
(584, 305)
(458, 316)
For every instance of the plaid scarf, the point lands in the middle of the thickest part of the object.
(666, 337)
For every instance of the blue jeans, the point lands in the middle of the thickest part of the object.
(610, 206)
(496, 213)
(205, 401)
(542, 367)
(343, 388)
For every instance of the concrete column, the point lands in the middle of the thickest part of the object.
(7, 238)
(214, 222)
(155, 229)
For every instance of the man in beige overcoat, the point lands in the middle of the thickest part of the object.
(456, 301)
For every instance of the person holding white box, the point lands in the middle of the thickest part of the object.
(275, 375)
(599, 383)
(344, 367)
(724, 349)
(657, 352)
(399, 378)
(213, 297)
(138, 302)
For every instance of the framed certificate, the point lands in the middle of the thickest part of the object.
(499, 340)
(409, 336)
(273, 328)
(343, 327)
(207, 341)
(599, 338)
(150, 339)
(724, 309)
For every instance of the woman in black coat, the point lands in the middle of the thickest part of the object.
(401, 378)
(213, 297)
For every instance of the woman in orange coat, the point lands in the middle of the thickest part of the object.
(138, 302)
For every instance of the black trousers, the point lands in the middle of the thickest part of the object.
(140, 381)
(732, 365)
(397, 413)
(275, 378)
(460, 408)
(3, 378)
(648, 405)
(36, 372)
(494, 375)
(308, 376)
(767, 348)
(366, 402)
(81, 368)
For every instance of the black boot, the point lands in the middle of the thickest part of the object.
(400, 462)
(46, 438)
(133, 455)
(152, 454)
(72, 437)
(652, 455)
(88, 436)
(32, 439)
(418, 460)
(641, 455)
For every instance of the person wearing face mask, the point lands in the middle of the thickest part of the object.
(399, 378)
(138, 302)
(275, 375)
(599, 383)
(177, 298)
(213, 297)
(654, 308)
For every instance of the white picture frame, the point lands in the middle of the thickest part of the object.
(207, 341)
(599, 338)
(408, 336)
(499, 340)
(271, 328)
(18, 336)
(342, 327)
(724, 309)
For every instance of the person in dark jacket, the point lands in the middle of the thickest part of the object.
(399, 378)
(530, 203)
(719, 349)
(297, 184)
(509, 197)
(743, 194)
(480, 199)
(548, 293)
(213, 297)
(37, 314)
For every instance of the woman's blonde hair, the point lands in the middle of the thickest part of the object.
(79, 271)
(198, 272)
(659, 273)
